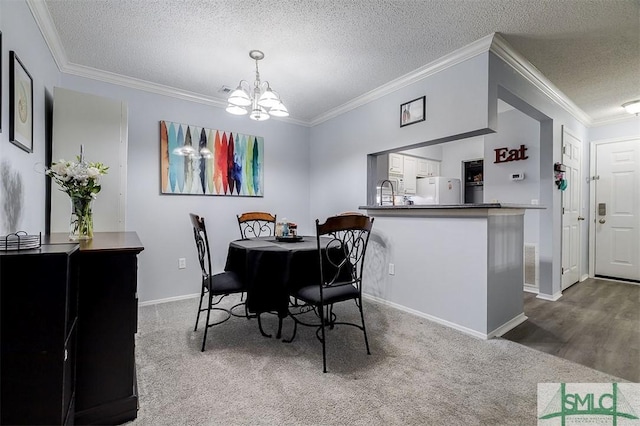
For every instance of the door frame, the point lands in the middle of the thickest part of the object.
(592, 195)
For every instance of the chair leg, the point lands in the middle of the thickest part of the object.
(199, 309)
(324, 350)
(260, 326)
(295, 329)
(206, 326)
(279, 333)
(364, 330)
(330, 317)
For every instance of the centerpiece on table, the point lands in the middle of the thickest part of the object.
(81, 181)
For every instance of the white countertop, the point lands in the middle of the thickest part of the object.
(454, 206)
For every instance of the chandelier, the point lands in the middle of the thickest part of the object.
(262, 101)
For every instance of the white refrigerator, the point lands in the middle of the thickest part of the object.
(438, 190)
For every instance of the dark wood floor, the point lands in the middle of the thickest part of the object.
(595, 323)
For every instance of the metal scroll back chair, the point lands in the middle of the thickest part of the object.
(256, 224)
(342, 244)
(216, 286)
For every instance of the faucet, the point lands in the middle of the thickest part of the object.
(393, 198)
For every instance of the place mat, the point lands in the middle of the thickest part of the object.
(19, 241)
(292, 239)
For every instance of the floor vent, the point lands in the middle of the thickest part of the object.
(531, 265)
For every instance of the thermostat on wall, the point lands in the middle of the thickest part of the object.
(517, 176)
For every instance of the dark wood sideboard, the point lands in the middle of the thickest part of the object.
(38, 331)
(106, 271)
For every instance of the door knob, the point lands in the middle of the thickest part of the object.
(602, 220)
(580, 218)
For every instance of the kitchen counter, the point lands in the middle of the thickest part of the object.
(450, 210)
(458, 265)
(453, 206)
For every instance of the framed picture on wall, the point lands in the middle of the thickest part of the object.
(202, 161)
(413, 111)
(20, 104)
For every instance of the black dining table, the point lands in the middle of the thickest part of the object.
(271, 269)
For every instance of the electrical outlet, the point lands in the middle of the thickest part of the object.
(392, 269)
(182, 263)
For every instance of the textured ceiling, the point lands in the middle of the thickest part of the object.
(319, 55)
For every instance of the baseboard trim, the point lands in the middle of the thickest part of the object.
(110, 413)
(509, 325)
(168, 299)
(435, 319)
(551, 298)
(616, 280)
(531, 289)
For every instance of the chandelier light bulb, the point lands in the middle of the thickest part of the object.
(239, 97)
(268, 99)
(632, 107)
(236, 110)
(279, 110)
(259, 114)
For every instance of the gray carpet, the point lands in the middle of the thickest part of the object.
(418, 373)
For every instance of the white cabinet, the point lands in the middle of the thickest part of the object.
(426, 168)
(410, 165)
(396, 164)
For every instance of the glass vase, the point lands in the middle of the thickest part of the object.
(81, 223)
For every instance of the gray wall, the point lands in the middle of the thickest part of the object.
(309, 173)
(162, 222)
(515, 129)
(456, 103)
(454, 153)
(513, 88)
(22, 180)
(621, 129)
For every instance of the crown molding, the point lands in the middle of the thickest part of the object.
(44, 21)
(613, 120)
(520, 64)
(159, 89)
(467, 52)
(493, 42)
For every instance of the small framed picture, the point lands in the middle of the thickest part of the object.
(413, 111)
(20, 104)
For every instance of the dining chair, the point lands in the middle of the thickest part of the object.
(256, 224)
(216, 286)
(342, 244)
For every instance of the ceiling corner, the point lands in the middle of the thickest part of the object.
(501, 48)
(44, 21)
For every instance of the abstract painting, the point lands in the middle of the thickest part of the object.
(200, 161)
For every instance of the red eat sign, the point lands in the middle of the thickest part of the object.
(504, 155)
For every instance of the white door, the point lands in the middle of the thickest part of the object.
(100, 124)
(617, 219)
(571, 158)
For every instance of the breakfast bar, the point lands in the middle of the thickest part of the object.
(459, 265)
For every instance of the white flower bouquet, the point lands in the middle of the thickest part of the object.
(81, 180)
